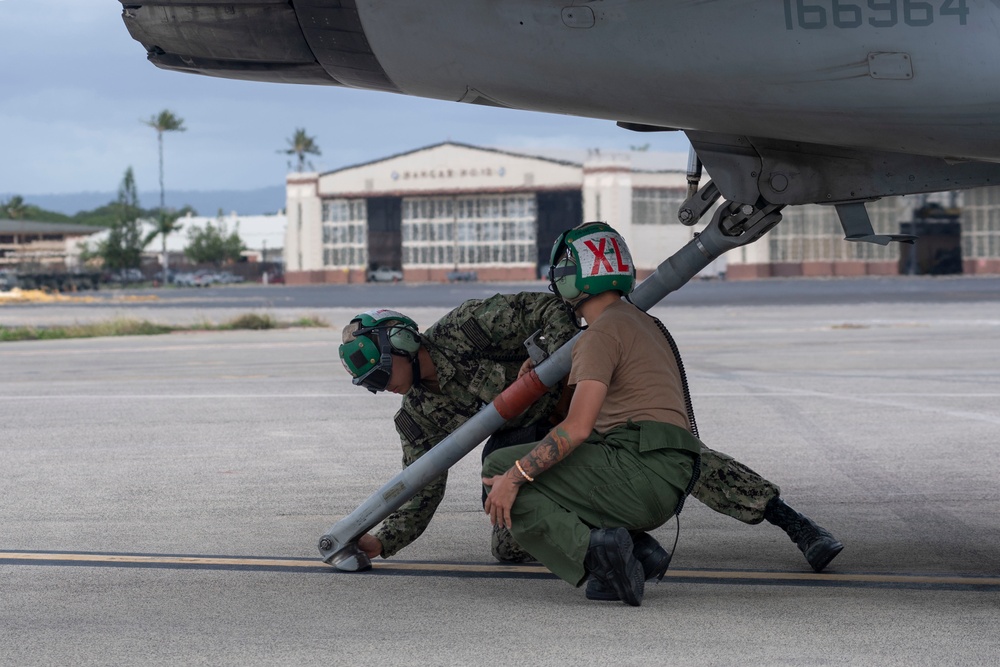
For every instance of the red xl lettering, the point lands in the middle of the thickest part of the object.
(618, 257)
(601, 260)
(599, 257)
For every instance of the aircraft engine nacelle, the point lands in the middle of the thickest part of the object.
(318, 42)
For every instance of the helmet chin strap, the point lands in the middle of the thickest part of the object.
(415, 366)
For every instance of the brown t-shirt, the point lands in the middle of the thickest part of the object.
(625, 350)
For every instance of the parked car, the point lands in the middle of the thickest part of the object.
(462, 276)
(228, 278)
(205, 278)
(200, 278)
(125, 276)
(185, 279)
(384, 274)
(171, 276)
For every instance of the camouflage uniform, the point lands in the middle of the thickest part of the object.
(729, 487)
(477, 350)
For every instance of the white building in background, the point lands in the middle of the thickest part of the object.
(26, 244)
(456, 207)
(263, 236)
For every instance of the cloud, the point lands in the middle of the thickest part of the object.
(70, 114)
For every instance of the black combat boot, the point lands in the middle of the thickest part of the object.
(609, 560)
(653, 558)
(818, 545)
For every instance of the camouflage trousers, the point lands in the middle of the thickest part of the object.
(506, 549)
(729, 487)
(725, 485)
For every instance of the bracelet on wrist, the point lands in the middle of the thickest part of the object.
(525, 475)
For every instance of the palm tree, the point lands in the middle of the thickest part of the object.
(300, 145)
(166, 224)
(166, 121)
(14, 207)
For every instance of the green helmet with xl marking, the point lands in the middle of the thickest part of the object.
(588, 260)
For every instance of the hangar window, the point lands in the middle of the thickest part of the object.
(345, 233)
(656, 206)
(469, 231)
(981, 223)
(813, 233)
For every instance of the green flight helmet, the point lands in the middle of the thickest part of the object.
(370, 341)
(588, 260)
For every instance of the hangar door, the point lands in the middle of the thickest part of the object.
(557, 212)
(385, 237)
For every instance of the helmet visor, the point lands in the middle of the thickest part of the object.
(377, 379)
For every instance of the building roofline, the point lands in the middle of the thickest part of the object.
(8, 226)
(567, 163)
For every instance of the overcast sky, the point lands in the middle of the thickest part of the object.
(74, 87)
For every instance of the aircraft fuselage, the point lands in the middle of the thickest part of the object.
(903, 76)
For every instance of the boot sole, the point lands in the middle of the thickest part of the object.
(602, 593)
(824, 557)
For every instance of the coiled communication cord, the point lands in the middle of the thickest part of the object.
(692, 423)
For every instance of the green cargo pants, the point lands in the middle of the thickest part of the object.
(632, 476)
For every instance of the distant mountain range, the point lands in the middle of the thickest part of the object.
(206, 202)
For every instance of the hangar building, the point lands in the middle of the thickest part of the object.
(455, 207)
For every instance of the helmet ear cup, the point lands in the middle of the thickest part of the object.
(404, 340)
(566, 285)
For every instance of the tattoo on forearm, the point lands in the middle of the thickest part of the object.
(516, 477)
(553, 448)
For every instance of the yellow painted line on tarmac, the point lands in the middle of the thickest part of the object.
(458, 569)
(831, 577)
(256, 563)
(471, 568)
(722, 575)
(127, 559)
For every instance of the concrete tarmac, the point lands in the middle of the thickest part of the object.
(161, 498)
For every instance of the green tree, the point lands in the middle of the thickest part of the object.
(122, 249)
(300, 145)
(214, 244)
(166, 121)
(14, 208)
(167, 222)
(105, 216)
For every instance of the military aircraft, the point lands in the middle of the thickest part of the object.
(784, 101)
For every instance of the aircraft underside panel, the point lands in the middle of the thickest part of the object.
(897, 76)
(791, 173)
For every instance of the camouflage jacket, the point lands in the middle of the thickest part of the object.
(477, 350)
